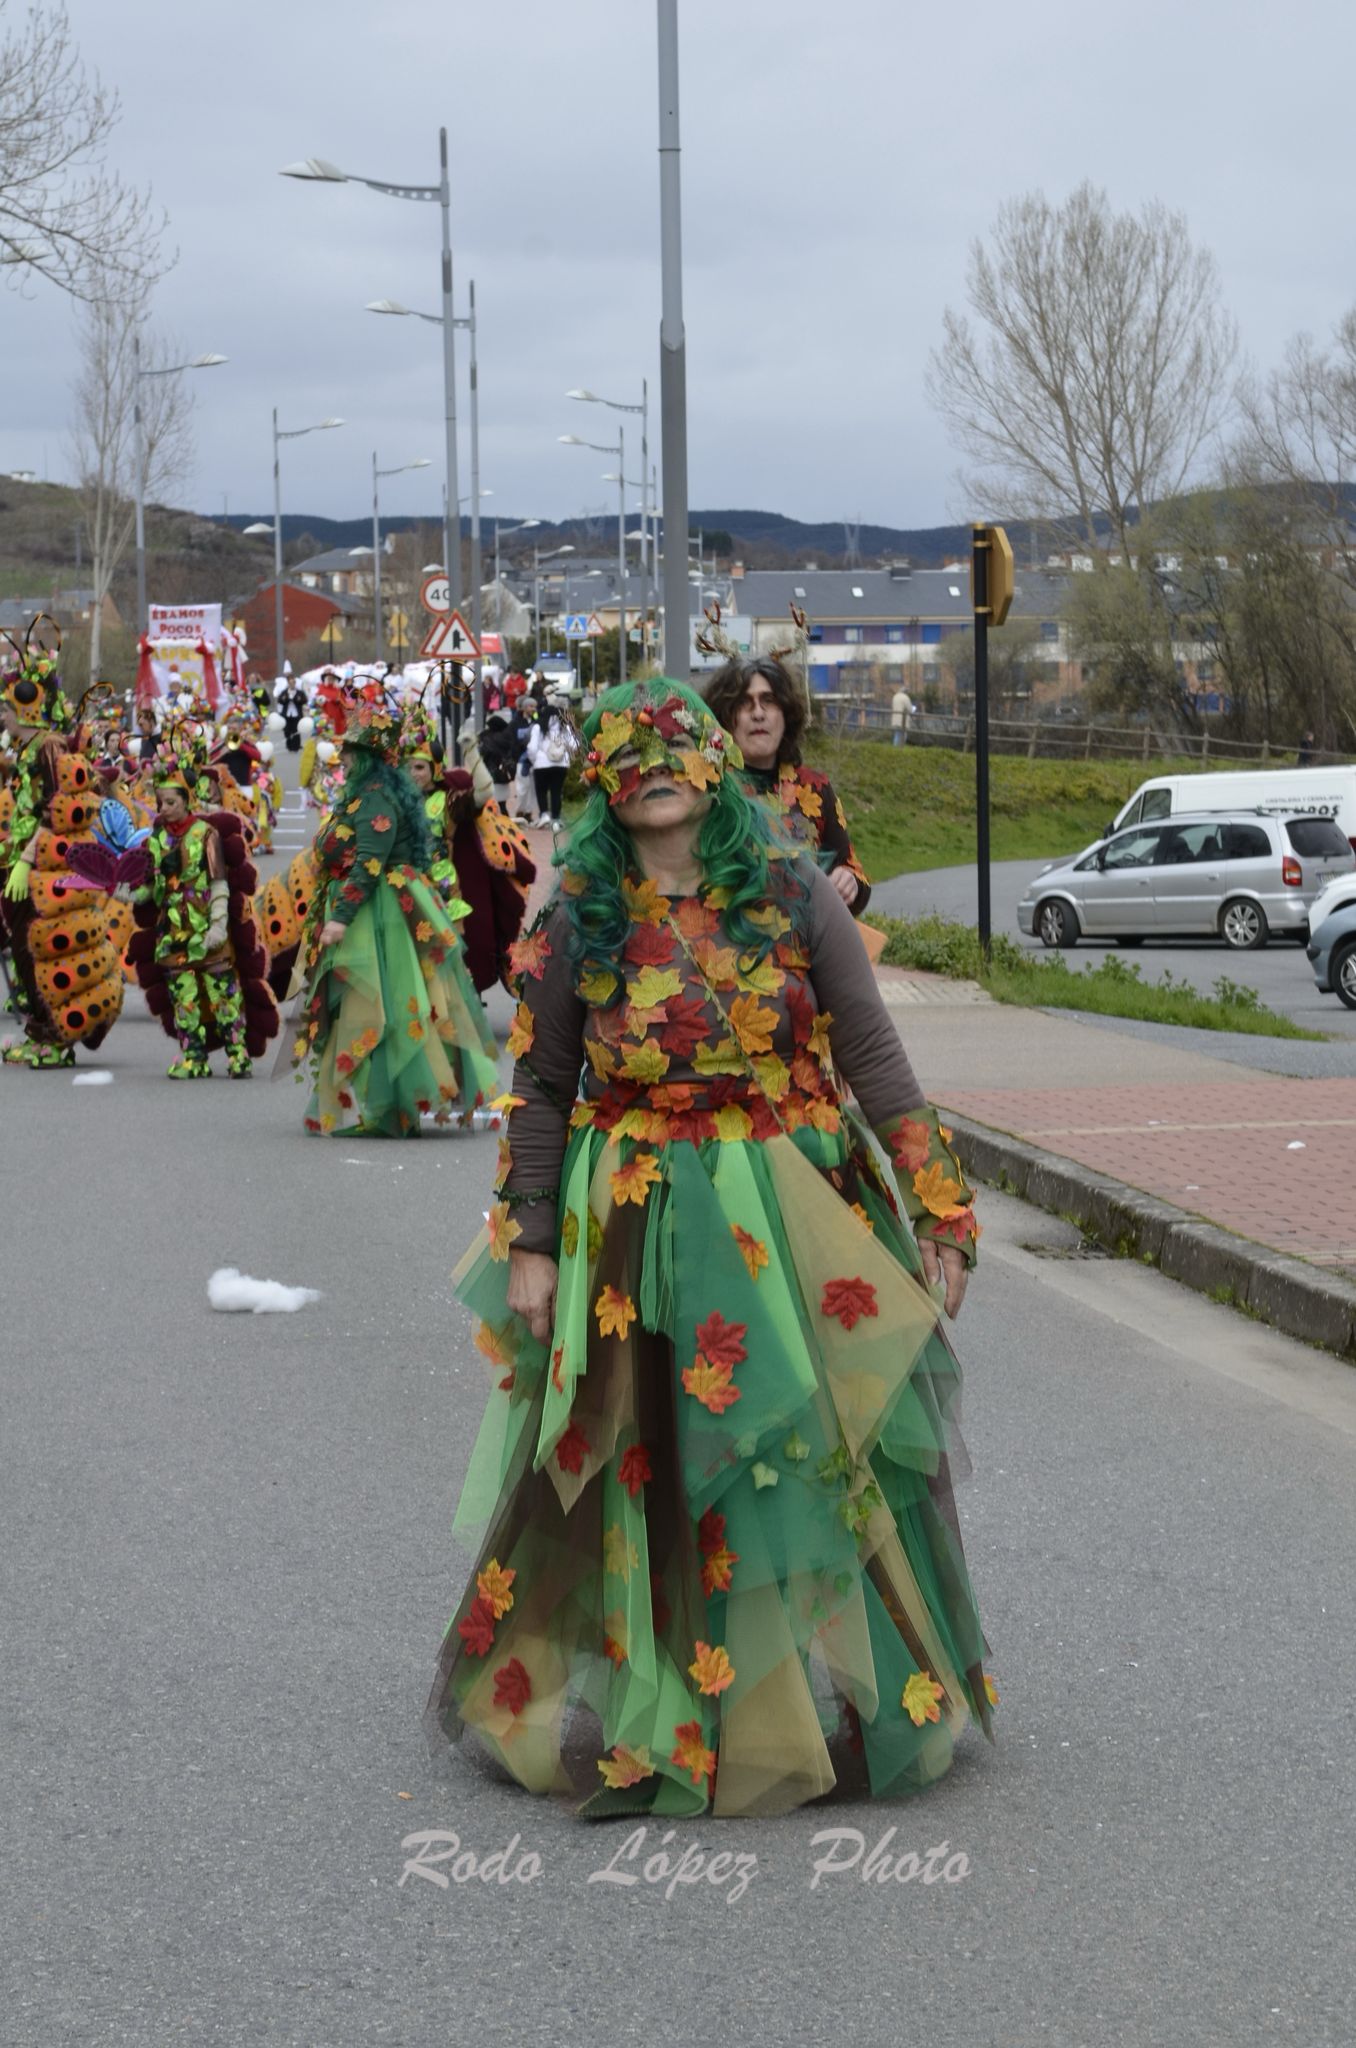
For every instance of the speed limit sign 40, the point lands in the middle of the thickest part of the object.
(435, 593)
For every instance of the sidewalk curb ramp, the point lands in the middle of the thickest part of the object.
(1295, 1297)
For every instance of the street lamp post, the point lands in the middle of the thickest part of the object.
(317, 170)
(281, 434)
(616, 405)
(537, 559)
(602, 448)
(672, 348)
(421, 463)
(522, 528)
(139, 457)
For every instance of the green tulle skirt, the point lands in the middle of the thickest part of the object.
(391, 1025)
(721, 1564)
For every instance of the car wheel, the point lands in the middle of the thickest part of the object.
(1342, 973)
(1243, 925)
(1129, 942)
(1056, 923)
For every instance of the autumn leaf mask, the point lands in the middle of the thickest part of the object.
(632, 744)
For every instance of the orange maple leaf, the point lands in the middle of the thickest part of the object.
(849, 1300)
(910, 1145)
(625, 1767)
(936, 1190)
(632, 1182)
(503, 1230)
(752, 1250)
(615, 1312)
(696, 769)
(716, 1571)
(522, 1033)
(644, 902)
(530, 955)
(691, 1754)
(753, 1023)
(712, 1385)
(818, 1042)
(496, 1345)
(712, 1669)
(493, 1585)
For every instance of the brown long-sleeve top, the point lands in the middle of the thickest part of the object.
(685, 1037)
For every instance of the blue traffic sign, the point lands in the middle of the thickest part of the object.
(576, 626)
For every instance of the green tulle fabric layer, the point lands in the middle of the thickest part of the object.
(721, 1565)
(400, 1030)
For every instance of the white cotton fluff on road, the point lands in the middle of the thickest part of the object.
(235, 1293)
(94, 1077)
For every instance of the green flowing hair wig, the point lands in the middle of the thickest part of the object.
(737, 848)
(364, 768)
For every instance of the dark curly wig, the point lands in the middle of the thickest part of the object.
(729, 685)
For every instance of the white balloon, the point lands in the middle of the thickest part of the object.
(305, 727)
(265, 750)
(274, 722)
(326, 751)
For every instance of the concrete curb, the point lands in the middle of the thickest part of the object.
(1298, 1298)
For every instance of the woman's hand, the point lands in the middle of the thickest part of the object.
(945, 1261)
(847, 885)
(332, 931)
(533, 1277)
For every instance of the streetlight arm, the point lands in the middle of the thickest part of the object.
(592, 398)
(317, 171)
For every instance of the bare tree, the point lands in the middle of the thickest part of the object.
(1097, 366)
(104, 438)
(1300, 440)
(64, 214)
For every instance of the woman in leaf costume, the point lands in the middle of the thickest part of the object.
(391, 1026)
(715, 1471)
(759, 704)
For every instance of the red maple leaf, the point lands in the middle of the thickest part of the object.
(960, 1226)
(649, 945)
(710, 1532)
(849, 1300)
(801, 1012)
(720, 1341)
(571, 1449)
(634, 1469)
(476, 1628)
(686, 1027)
(910, 1145)
(512, 1686)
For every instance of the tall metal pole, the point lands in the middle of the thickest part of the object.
(277, 552)
(672, 351)
(981, 558)
(478, 701)
(621, 553)
(536, 596)
(380, 636)
(452, 513)
(644, 518)
(139, 456)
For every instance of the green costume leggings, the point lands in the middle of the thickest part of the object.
(203, 996)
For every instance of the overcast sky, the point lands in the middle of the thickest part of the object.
(837, 161)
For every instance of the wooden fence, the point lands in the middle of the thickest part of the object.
(1058, 739)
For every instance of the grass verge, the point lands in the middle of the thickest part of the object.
(1115, 989)
(911, 808)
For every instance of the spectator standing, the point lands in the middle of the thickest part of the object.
(548, 752)
(902, 708)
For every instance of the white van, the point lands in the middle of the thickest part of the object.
(1317, 792)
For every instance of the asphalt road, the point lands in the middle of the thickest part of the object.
(1278, 971)
(227, 1563)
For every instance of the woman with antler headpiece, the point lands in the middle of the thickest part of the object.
(716, 1470)
(391, 1026)
(69, 974)
(758, 701)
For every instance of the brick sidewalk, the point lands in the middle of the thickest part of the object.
(1271, 1159)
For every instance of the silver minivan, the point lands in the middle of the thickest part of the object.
(1235, 875)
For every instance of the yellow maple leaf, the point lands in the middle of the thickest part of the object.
(493, 1585)
(724, 1057)
(654, 986)
(625, 1766)
(641, 1123)
(569, 1234)
(712, 1385)
(620, 1556)
(503, 1165)
(860, 1213)
(601, 1059)
(819, 1038)
(522, 1033)
(632, 1182)
(644, 902)
(614, 730)
(810, 801)
(773, 1078)
(503, 1230)
(990, 1690)
(615, 1312)
(499, 1346)
(596, 986)
(825, 1116)
(934, 1188)
(645, 1063)
(719, 964)
(732, 1123)
(373, 866)
(920, 1698)
(752, 1249)
(759, 977)
(754, 1024)
(423, 931)
(696, 769)
(712, 1669)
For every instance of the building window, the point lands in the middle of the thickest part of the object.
(1205, 671)
(931, 635)
(894, 634)
(931, 672)
(853, 634)
(1049, 629)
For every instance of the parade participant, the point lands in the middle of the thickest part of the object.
(549, 747)
(499, 751)
(391, 1026)
(757, 701)
(716, 1469)
(481, 857)
(148, 736)
(291, 701)
(68, 974)
(197, 950)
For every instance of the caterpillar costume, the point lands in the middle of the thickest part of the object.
(67, 971)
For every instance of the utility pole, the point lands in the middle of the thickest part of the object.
(991, 584)
(672, 352)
